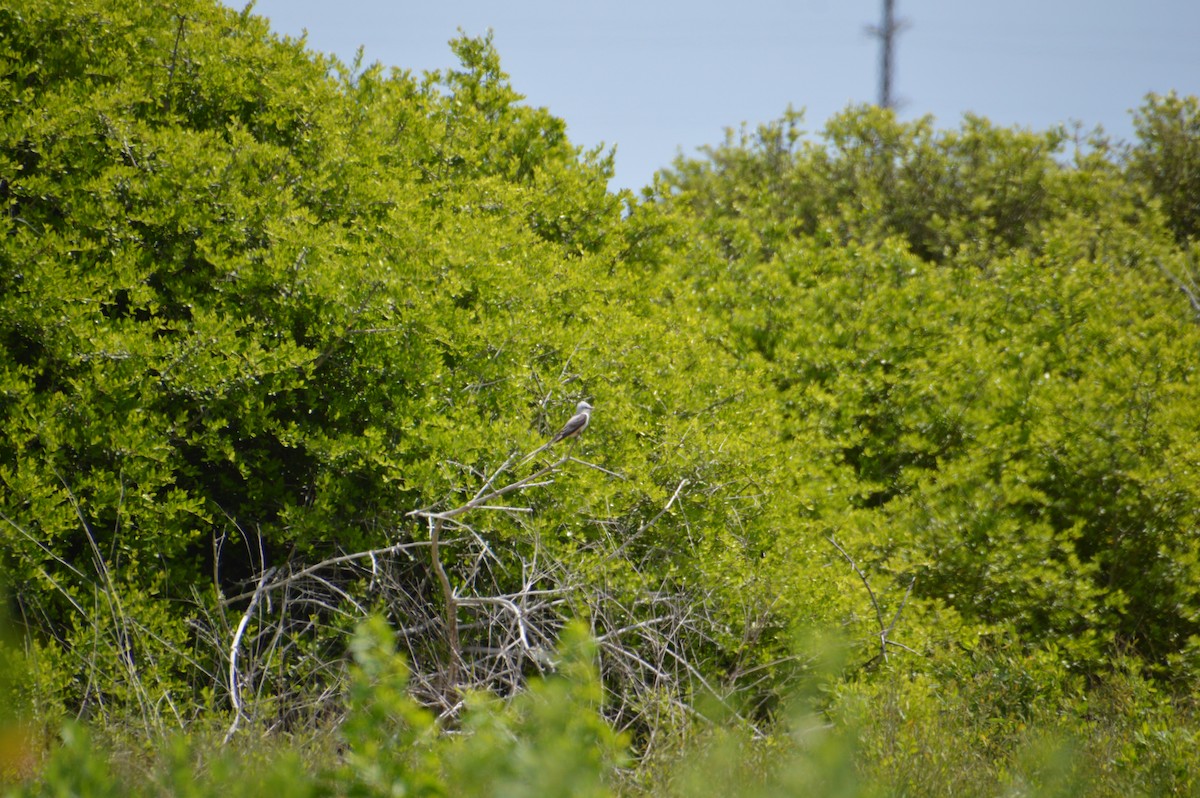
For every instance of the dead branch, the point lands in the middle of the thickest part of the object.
(235, 688)
(884, 632)
(1190, 291)
(324, 564)
(484, 496)
(640, 530)
(486, 615)
(451, 603)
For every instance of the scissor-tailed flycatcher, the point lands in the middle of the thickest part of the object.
(575, 425)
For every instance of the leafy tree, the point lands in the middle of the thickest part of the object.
(269, 323)
(1166, 158)
(261, 304)
(979, 347)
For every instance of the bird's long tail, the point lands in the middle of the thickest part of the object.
(538, 451)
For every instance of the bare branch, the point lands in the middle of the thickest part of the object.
(678, 489)
(863, 577)
(483, 498)
(312, 569)
(451, 604)
(1189, 291)
(235, 688)
(598, 468)
(884, 632)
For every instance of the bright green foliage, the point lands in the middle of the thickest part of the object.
(1166, 159)
(552, 740)
(389, 738)
(257, 305)
(998, 387)
(1003, 721)
(871, 178)
(81, 766)
(248, 299)
(76, 770)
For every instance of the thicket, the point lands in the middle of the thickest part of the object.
(278, 336)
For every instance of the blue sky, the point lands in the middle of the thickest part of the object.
(660, 77)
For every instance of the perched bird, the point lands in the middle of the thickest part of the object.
(575, 424)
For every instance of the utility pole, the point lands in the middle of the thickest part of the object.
(886, 33)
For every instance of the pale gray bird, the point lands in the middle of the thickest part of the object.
(575, 424)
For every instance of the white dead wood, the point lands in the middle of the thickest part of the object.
(479, 614)
(235, 687)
